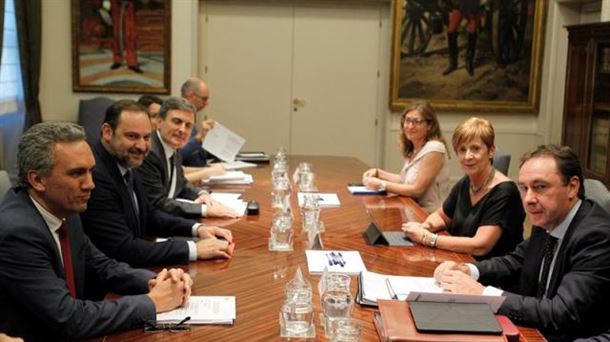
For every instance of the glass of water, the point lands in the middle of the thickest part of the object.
(281, 233)
(337, 299)
(296, 319)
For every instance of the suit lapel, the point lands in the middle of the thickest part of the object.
(157, 149)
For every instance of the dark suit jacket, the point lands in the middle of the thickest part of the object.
(111, 222)
(579, 288)
(34, 299)
(193, 154)
(155, 178)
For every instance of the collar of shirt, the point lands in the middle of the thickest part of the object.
(122, 170)
(560, 231)
(52, 221)
(167, 149)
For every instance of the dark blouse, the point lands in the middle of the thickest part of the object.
(501, 206)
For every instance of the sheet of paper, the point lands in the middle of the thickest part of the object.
(231, 177)
(349, 262)
(222, 142)
(493, 301)
(237, 165)
(325, 200)
(203, 310)
(382, 286)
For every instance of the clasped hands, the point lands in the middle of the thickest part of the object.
(170, 289)
(215, 243)
(455, 278)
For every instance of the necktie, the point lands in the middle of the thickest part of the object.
(171, 168)
(549, 248)
(129, 181)
(66, 253)
(171, 181)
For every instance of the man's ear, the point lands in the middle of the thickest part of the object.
(36, 181)
(573, 186)
(107, 132)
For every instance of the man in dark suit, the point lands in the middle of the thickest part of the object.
(44, 253)
(557, 280)
(162, 174)
(119, 216)
(197, 93)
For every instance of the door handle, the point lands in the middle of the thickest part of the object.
(297, 103)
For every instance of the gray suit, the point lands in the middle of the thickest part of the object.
(156, 181)
(34, 299)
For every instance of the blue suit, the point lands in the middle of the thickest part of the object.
(34, 299)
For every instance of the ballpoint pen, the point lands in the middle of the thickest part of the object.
(341, 258)
(330, 261)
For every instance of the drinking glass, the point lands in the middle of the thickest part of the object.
(345, 330)
(337, 300)
(281, 233)
(307, 181)
(296, 319)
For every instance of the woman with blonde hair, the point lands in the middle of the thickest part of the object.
(425, 174)
(483, 213)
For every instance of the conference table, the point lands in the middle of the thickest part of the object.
(257, 276)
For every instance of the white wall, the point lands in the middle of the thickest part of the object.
(58, 101)
(516, 133)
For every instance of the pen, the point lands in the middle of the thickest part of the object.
(330, 261)
(341, 258)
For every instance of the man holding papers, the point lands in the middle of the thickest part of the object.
(197, 93)
(556, 281)
(161, 171)
(119, 217)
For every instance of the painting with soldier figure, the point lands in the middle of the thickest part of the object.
(121, 46)
(477, 55)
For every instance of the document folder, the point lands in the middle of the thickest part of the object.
(396, 324)
(470, 318)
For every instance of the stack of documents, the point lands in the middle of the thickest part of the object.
(222, 142)
(325, 200)
(203, 310)
(254, 157)
(231, 177)
(374, 286)
(349, 262)
(231, 200)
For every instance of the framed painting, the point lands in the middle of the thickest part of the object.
(121, 46)
(468, 55)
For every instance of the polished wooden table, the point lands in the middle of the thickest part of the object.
(257, 276)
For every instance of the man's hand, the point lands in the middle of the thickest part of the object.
(214, 248)
(215, 169)
(206, 126)
(166, 293)
(217, 209)
(207, 232)
(455, 281)
(447, 266)
(203, 198)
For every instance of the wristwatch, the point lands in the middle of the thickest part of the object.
(382, 185)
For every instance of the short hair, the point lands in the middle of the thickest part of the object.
(113, 113)
(176, 103)
(147, 100)
(35, 150)
(566, 160)
(471, 129)
(427, 112)
(192, 84)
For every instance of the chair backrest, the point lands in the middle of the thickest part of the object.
(501, 161)
(91, 115)
(597, 191)
(5, 183)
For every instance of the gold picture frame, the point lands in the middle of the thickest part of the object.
(121, 46)
(507, 55)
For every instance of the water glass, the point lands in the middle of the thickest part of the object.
(337, 300)
(280, 195)
(281, 233)
(311, 213)
(296, 320)
(307, 181)
(303, 167)
(345, 330)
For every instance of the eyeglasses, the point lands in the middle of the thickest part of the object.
(153, 326)
(202, 98)
(413, 121)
